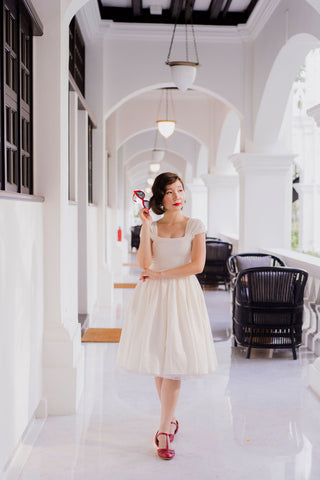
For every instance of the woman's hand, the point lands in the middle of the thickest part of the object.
(145, 216)
(149, 274)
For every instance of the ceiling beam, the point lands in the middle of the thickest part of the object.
(215, 9)
(226, 8)
(137, 7)
(199, 17)
(188, 10)
(175, 9)
(251, 6)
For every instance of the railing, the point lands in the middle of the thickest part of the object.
(311, 319)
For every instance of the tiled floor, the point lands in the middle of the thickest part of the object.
(251, 420)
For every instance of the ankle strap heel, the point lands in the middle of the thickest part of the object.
(176, 423)
(164, 453)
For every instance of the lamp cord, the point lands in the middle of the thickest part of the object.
(174, 30)
(171, 44)
(194, 42)
(160, 103)
(186, 32)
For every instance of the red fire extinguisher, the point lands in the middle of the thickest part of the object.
(119, 234)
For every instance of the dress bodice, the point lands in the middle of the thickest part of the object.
(174, 252)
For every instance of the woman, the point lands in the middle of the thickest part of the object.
(167, 332)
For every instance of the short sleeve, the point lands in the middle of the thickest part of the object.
(196, 226)
(153, 230)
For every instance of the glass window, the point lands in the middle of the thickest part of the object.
(16, 87)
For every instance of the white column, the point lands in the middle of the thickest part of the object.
(73, 146)
(223, 203)
(82, 142)
(307, 225)
(63, 366)
(265, 200)
(314, 369)
(196, 202)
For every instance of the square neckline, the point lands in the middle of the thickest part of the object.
(173, 238)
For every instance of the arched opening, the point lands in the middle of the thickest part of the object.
(305, 141)
(267, 131)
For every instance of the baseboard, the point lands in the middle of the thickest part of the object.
(16, 463)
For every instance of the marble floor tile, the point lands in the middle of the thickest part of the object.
(252, 419)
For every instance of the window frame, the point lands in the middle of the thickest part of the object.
(16, 99)
(90, 162)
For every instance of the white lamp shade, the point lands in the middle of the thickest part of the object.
(154, 167)
(166, 127)
(157, 155)
(183, 74)
(150, 181)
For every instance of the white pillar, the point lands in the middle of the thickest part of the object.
(197, 203)
(265, 200)
(314, 369)
(307, 225)
(223, 203)
(63, 365)
(73, 146)
(82, 142)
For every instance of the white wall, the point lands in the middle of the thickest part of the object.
(21, 306)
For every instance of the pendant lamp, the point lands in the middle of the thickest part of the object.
(166, 125)
(184, 71)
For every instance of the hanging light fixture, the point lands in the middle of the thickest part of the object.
(184, 72)
(157, 155)
(166, 126)
(150, 181)
(154, 167)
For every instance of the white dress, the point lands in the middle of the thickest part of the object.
(166, 332)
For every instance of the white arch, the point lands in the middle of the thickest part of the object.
(181, 146)
(277, 89)
(157, 86)
(228, 141)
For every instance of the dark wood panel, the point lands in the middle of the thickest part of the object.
(168, 16)
(215, 9)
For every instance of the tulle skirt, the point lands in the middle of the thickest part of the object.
(166, 332)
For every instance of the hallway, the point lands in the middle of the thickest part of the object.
(252, 419)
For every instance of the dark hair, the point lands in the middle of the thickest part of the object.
(159, 189)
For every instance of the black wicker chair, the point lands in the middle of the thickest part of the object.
(135, 236)
(242, 261)
(215, 271)
(268, 310)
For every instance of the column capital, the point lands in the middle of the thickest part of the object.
(221, 179)
(314, 112)
(262, 162)
(306, 187)
(196, 187)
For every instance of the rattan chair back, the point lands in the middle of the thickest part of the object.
(268, 307)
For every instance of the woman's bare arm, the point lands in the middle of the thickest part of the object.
(144, 254)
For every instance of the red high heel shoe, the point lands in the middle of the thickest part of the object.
(164, 453)
(176, 423)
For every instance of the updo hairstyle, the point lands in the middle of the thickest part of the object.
(159, 189)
